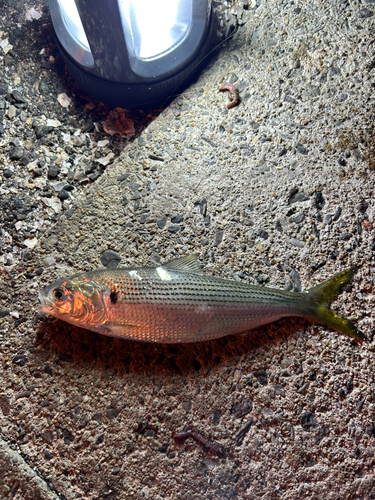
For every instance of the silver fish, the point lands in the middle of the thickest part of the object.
(175, 302)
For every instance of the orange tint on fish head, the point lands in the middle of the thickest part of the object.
(78, 301)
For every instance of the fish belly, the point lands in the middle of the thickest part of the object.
(177, 324)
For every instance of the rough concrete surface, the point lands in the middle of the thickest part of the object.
(20, 476)
(277, 191)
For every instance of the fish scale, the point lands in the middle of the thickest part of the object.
(153, 288)
(186, 306)
(176, 302)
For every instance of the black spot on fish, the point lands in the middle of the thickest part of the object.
(113, 296)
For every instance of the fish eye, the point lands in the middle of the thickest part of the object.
(58, 293)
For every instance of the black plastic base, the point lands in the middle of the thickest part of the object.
(141, 96)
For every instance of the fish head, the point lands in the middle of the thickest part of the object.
(77, 300)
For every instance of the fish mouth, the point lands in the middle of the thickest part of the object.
(45, 302)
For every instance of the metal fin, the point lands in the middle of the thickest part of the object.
(188, 263)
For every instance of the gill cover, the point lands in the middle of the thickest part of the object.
(87, 303)
(77, 300)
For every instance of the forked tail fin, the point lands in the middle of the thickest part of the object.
(322, 295)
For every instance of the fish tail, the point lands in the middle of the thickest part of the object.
(319, 298)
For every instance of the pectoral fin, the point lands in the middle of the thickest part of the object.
(133, 332)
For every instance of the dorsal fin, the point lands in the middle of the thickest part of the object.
(187, 264)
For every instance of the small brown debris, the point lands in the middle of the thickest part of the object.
(4, 405)
(23, 394)
(367, 225)
(233, 94)
(118, 122)
(14, 489)
(367, 288)
(241, 433)
(205, 443)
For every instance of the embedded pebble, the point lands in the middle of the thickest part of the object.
(218, 238)
(162, 222)
(296, 243)
(261, 376)
(48, 261)
(7, 173)
(364, 13)
(308, 421)
(298, 198)
(53, 171)
(177, 219)
(298, 218)
(345, 236)
(19, 360)
(110, 259)
(241, 409)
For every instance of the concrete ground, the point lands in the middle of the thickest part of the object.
(277, 191)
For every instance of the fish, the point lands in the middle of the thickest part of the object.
(177, 303)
